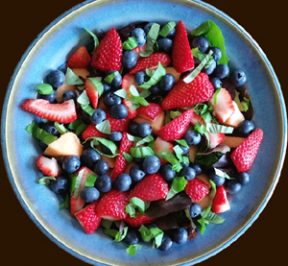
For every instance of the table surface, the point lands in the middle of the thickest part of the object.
(24, 243)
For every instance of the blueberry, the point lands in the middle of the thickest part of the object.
(218, 180)
(155, 90)
(89, 157)
(132, 237)
(55, 78)
(245, 128)
(130, 59)
(144, 130)
(60, 186)
(119, 111)
(239, 78)
(90, 194)
(167, 172)
(188, 172)
(172, 33)
(232, 187)
(217, 54)
(151, 165)
(140, 36)
(71, 164)
(243, 178)
(185, 150)
(216, 82)
(69, 95)
(180, 236)
(115, 136)
(133, 128)
(167, 82)
(50, 128)
(166, 243)
(136, 173)
(192, 137)
(211, 67)
(197, 168)
(165, 45)
(222, 71)
(195, 210)
(140, 77)
(148, 27)
(98, 116)
(40, 121)
(117, 81)
(201, 43)
(111, 99)
(101, 167)
(106, 87)
(51, 98)
(103, 183)
(123, 182)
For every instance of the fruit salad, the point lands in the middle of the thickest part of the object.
(146, 133)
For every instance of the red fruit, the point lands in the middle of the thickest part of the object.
(127, 81)
(59, 112)
(92, 93)
(108, 55)
(79, 58)
(112, 206)
(150, 112)
(139, 220)
(197, 189)
(185, 95)
(151, 61)
(161, 145)
(176, 128)
(132, 112)
(118, 124)
(220, 202)
(181, 53)
(151, 188)
(91, 131)
(236, 118)
(121, 163)
(215, 139)
(88, 218)
(244, 155)
(49, 167)
(140, 49)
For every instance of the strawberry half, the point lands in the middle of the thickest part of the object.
(92, 93)
(108, 55)
(80, 58)
(197, 189)
(150, 112)
(185, 95)
(90, 132)
(112, 206)
(127, 81)
(244, 155)
(132, 112)
(215, 139)
(151, 62)
(161, 145)
(139, 220)
(59, 112)
(177, 128)
(236, 118)
(181, 53)
(220, 202)
(151, 188)
(88, 218)
(118, 124)
(48, 166)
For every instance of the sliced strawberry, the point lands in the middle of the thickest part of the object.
(244, 155)
(92, 93)
(186, 95)
(181, 53)
(127, 81)
(176, 128)
(197, 119)
(61, 113)
(118, 124)
(215, 139)
(151, 188)
(91, 131)
(150, 112)
(197, 189)
(79, 58)
(49, 167)
(112, 206)
(108, 55)
(151, 62)
(236, 118)
(88, 218)
(161, 145)
(140, 49)
(232, 142)
(132, 111)
(220, 202)
(138, 221)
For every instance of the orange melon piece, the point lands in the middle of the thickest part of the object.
(232, 142)
(81, 72)
(192, 153)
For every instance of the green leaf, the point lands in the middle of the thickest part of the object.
(178, 152)
(131, 137)
(130, 44)
(141, 152)
(145, 93)
(201, 109)
(65, 204)
(136, 204)
(139, 100)
(98, 85)
(149, 72)
(106, 224)
(121, 234)
(127, 157)
(110, 145)
(202, 29)
(197, 54)
(156, 77)
(44, 89)
(90, 180)
(215, 96)
(88, 109)
(216, 128)
(221, 173)
(60, 128)
(84, 102)
(46, 180)
(208, 160)
(242, 105)
(200, 128)
(182, 142)
(109, 79)
(72, 78)
(214, 189)
(154, 233)
(110, 232)
(104, 127)
(133, 91)
(132, 249)
(93, 36)
(174, 114)
(167, 28)
(145, 233)
(170, 157)
(77, 126)
(40, 134)
(151, 40)
(147, 139)
(121, 93)
(178, 185)
(207, 117)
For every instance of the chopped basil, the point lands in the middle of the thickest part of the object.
(242, 105)
(170, 157)
(44, 89)
(132, 249)
(46, 180)
(77, 126)
(182, 142)
(147, 139)
(138, 100)
(174, 114)
(65, 204)
(136, 205)
(60, 128)
(141, 152)
(197, 54)
(130, 44)
(145, 93)
(214, 189)
(221, 173)
(208, 160)
(216, 128)
(110, 232)
(149, 72)
(131, 137)
(121, 93)
(127, 157)
(215, 96)
(178, 185)
(110, 145)
(200, 128)
(154, 233)
(109, 79)
(167, 28)
(88, 109)
(106, 224)
(93, 36)
(98, 85)
(178, 152)
(209, 217)
(72, 78)
(90, 180)
(104, 127)
(156, 77)
(84, 102)
(40, 134)
(151, 40)
(121, 234)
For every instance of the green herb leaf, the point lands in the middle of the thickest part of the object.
(145, 93)
(156, 77)
(149, 72)
(110, 145)
(121, 234)
(200, 128)
(136, 204)
(106, 224)
(215, 96)
(109, 79)
(154, 233)
(178, 152)
(178, 185)
(214, 189)
(131, 137)
(182, 142)
(132, 249)
(110, 232)
(44, 89)
(170, 157)
(221, 173)
(139, 100)
(94, 37)
(88, 109)
(130, 43)
(46, 180)
(141, 152)
(127, 157)
(208, 160)
(197, 54)
(72, 78)
(60, 128)
(167, 28)
(202, 29)
(242, 105)
(151, 40)
(174, 114)
(40, 134)
(77, 126)
(147, 139)
(65, 204)
(121, 93)
(84, 102)
(90, 180)
(133, 91)
(104, 127)
(216, 128)
(98, 85)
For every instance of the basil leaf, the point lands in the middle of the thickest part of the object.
(109, 79)
(93, 36)
(197, 54)
(201, 129)
(98, 85)
(127, 157)
(106, 224)
(84, 102)
(178, 152)
(132, 249)
(121, 234)
(136, 204)
(216, 128)
(158, 236)
(202, 29)
(77, 126)
(156, 77)
(44, 89)
(174, 114)
(65, 204)
(72, 78)
(110, 145)
(178, 185)
(145, 93)
(60, 128)
(214, 189)
(221, 173)
(121, 93)
(131, 137)
(133, 90)
(46, 180)
(151, 40)
(139, 100)
(88, 109)
(148, 234)
(182, 142)
(40, 134)
(104, 127)
(170, 157)
(110, 232)
(130, 44)
(147, 139)
(242, 105)
(215, 96)
(149, 72)
(167, 28)
(141, 152)
(145, 233)
(208, 160)
(90, 180)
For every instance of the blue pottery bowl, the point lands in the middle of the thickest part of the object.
(49, 51)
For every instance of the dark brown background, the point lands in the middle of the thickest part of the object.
(24, 243)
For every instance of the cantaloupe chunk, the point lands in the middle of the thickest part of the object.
(232, 142)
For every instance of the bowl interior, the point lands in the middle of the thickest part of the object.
(50, 51)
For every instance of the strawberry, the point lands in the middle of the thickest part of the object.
(176, 128)
(108, 55)
(244, 155)
(61, 113)
(79, 58)
(127, 81)
(49, 167)
(151, 61)
(197, 189)
(236, 118)
(150, 112)
(215, 139)
(161, 145)
(90, 132)
(121, 163)
(139, 220)
(185, 95)
(92, 93)
(140, 49)
(132, 112)
(151, 188)
(88, 218)
(181, 53)
(118, 124)
(112, 206)
(220, 202)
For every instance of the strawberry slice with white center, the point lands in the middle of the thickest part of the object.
(92, 93)
(220, 202)
(161, 146)
(215, 139)
(236, 118)
(48, 166)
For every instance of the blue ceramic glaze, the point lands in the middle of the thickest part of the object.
(49, 51)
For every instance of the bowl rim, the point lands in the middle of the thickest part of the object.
(276, 90)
